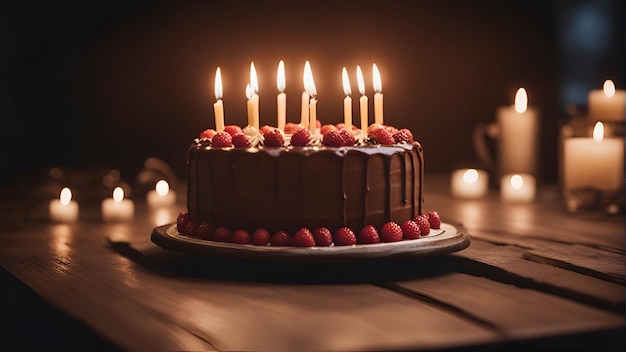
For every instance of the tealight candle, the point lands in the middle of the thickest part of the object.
(378, 95)
(117, 208)
(281, 98)
(64, 209)
(310, 87)
(517, 188)
(469, 183)
(607, 104)
(253, 98)
(218, 107)
(161, 195)
(363, 100)
(304, 115)
(347, 101)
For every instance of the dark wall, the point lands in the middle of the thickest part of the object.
(111, 83)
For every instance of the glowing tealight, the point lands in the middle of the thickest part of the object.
(63, 209)
(608, 88)
(161, 196)
(517, 188)
(117, 208)
(521, 100)
(469, 183)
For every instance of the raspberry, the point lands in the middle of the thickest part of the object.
(240, 140)
(233, 130)
(348, 138)
(410, 230)
(208, 133)
(373, 127)
(205, 231)
(191, 229)
(265, 129)
(382, 136)
(222, 234)
(280, 238)
(222, 140)
(241, 237)
(327, 128)
(303, 238)
(181, 222)
(391, 232)
(391, 129)
(368, 235)
(323, 237)
(333, 139)
(261, 237)
(422, 221)
(408, 133)
(274, 138)
(301, 138)
(401, 137)
(292, 128)
(434, 220)
(344, 236)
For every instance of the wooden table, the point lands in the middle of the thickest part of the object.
(533, 277)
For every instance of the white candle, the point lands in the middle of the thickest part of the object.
(281, 98)
(161, 196)
(596, 163)
(378, 96)
(347, 101)
(607, 104)
(117, 208)
(304, 115)
(309, 85)
(518, 139)
(218, 107)
(253, 98)
(363, 100)
(64, 209)
(517, 188)
(469, 183)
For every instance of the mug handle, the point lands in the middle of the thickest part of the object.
(481, 131)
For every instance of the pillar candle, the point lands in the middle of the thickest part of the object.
(363, 100)
(518, 139)
(309, 84)
(378, 96)
(218, 107)
(469, 183)
(607, 104)
(517, 188)
(252, 107)
(347, 101)
(161, 196)
(63, 209)
(304, 115)
(281, 98)
(117, 208)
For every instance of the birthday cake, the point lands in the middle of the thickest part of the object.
(334, 186)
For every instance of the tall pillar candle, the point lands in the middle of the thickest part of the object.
(607, 104)
(378, 96)
(347, 101)
(253, 98)
(304, 114)
(309, 84)
(363, 100)
(218, 107)
(281, 98)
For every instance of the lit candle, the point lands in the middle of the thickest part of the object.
(593, 163)
(304, 115)
(117, 208)
(347, 101)
(281, 98)
(518, 139)
(253, 98)
(363, 100)
(218, 107)
(517, 188)
(607, 104)
(378, 96)
(309, 85)
(63, 209)
(161, 195)
(469, 183)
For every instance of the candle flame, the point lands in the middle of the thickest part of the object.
(517, 181)
(307, 70)
(280, 77)
(470, 176)
(66, 196)
(218, 84)
(254, 82)
(359, 80)
(521, 100)
(249, 91)
(309, 84)
(162, 188)
(598, 131)
(609, 88)
(378, 85)
(118, 194)
(347, 90)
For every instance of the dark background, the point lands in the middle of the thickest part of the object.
(109, 83)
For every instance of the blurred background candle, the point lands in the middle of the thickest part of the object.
(218, 107)
(347, 101)
(309, 84)
(281, 98)
(253, 98)
(304, 114)
(607, 104)
(117, 208)
(518, 136)
(64, 209)
(469, 183)
(161, 196)
(517, 188)
(363, 100)
(378, 96)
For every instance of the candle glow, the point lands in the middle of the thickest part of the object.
(517, 181)
(117, 208)
(118, 194)
(218, 107)
(66, 196)
(161, 196)
(609, 88)
(469, 183)
(598, 132)
(63, 209)
(521, 100)
(470, 176)
(519, 188)
(607, 104)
